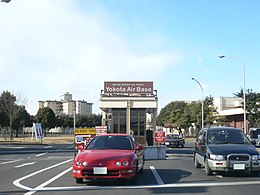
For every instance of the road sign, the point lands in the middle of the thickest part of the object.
(159, 136)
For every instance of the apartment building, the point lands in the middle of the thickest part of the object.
(68, 106)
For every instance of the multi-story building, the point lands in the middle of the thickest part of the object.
(232, 109)
(68, 106)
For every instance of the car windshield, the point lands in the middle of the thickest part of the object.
(227, 137)
(111, 142)
(172, 136)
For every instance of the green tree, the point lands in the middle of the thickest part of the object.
(183, 114)
(46, 117)
(252, 106)
(211, 114)
(9, 108)
(23, 120)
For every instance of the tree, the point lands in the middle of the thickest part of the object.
(252, 106)
(211, 114)
(183, 114)
(9, 108)
(46, 117)
(23, 120)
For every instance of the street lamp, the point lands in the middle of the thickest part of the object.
(202, 106)
(244, 88)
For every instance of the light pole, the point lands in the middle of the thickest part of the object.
(202, 106)
(244, 88)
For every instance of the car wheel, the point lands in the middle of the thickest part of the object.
(208, 171)
(196, 163)
(79, 180)
(254, 173)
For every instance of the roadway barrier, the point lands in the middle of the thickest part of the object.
(154, 152)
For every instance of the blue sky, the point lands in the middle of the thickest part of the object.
(51, 47)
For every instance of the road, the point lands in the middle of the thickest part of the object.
(46, 169)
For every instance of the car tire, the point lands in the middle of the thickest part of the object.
(208, 170)
(196, 163)
(79, 180)
(254, 173)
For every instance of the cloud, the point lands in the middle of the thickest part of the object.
(54, 47)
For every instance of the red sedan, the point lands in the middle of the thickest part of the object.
(109, 156)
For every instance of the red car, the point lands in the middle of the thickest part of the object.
(109, 156)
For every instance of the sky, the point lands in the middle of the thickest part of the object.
(48, 48)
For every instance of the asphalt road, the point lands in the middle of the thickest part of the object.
(46, 169)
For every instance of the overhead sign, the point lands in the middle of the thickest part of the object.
(85, 131)
(159, 136)
(128, 87)
(37, 127)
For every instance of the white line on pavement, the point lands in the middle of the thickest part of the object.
(157, 176)
(8, 162)
(48, 182)
(40, 154)
(25, 164)
(174, 185)
(17, 182)
(48, 146)
(70, 147)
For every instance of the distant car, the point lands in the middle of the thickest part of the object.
(109, 156)
(224, 149)
(174, 140)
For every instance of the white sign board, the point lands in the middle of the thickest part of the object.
(37, 127)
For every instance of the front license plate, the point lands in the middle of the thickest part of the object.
(239, 166)
(100, 170)
(167, 143)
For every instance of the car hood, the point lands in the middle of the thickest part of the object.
(105, 154)
(232, 149)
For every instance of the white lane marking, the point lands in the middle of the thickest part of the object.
(13, 147)
(70, 147)
(59, 157)
(157, 176)
(8, 162)
(48, 182)
(175, 185)
(40, 154)
(48, 146)
(25, 164)
(17, 181)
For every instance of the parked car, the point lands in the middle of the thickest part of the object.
(223, 149)
(254, 134)
(174, 140)
(109, 156)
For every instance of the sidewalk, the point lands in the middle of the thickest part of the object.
(45, 140)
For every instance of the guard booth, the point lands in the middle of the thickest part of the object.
(129, 107)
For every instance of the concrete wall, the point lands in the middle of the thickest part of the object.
(154, 152)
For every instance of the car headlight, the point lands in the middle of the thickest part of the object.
(216, 157)
(85, 163)
(255, 157)
(125, 163)
(79, 163)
